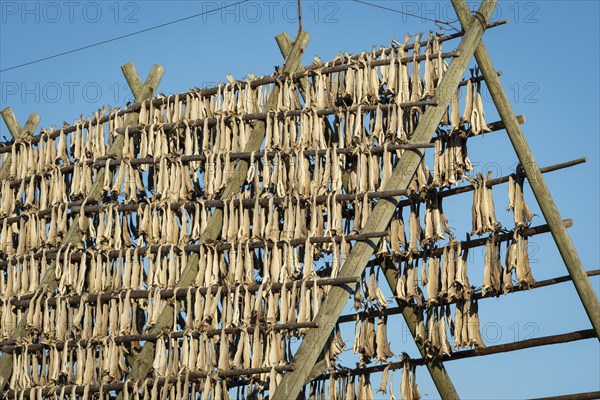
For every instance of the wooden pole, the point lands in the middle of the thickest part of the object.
(73, 234)
(178, 293)
(380, 217)
(575, 396)
(143, 362)
(133, 80)
(536, 181)
(476, 295)
(497, 349)
(149, 382)
(153, 337)
(17, 133)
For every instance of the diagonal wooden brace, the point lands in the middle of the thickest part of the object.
(337, 298)
(17, 133)
(73, 235)
(536, 181)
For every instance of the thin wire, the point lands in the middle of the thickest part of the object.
(122, 36)
(299, 17)
(442, 24)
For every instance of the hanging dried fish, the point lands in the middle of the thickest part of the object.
(405, 387)
(475, 338)
(383, 346)
(468, 111)
(522, 215)
(492, 273)
(477, 120)
(524, 276)
(415, 231)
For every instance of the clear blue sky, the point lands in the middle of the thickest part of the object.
(549, 56)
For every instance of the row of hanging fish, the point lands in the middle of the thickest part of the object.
(442, 277)
(350, 387)
(423, 232)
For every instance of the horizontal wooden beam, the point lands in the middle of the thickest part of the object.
(574, 396)
(463, 354)
(476, 295)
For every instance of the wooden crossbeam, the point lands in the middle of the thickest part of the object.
(337, 298)
(143, 362)
(574, 396)
(74, 235)
(478, 352)
(536, 181)
(17, 133)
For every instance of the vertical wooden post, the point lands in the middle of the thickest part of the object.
(17, 133)
(73, 234)
(538, 185)
(143, 362)
(337, 298)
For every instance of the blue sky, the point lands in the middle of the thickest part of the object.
(549, 56)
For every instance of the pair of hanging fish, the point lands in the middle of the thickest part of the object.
(496, 278)
(370, 344)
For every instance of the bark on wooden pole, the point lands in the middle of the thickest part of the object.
(74, 234)
(337, 298)
(143, 362)
(536, 181)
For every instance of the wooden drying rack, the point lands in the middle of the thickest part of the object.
(306, 365)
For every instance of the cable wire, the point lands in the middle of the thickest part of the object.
(442, 24)
(122, 36)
